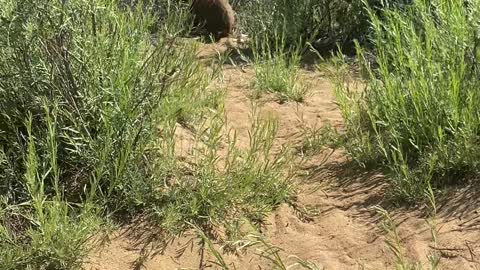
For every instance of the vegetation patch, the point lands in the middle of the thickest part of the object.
(277, 69)
(418, 116)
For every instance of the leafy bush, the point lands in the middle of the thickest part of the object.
(83, 87)
(419, 114)
(98, 71)
(91, 97)
(325, 22)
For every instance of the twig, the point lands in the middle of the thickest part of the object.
(446, 249)
(472, 254)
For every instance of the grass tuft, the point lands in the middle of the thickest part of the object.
(277, 70)
(418, 116)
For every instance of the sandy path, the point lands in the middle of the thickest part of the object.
(345, 233)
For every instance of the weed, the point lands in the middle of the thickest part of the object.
(322, 22)
(316, 140)
(264, 250)
(418, 114)
(277, 70)
(249, 184)
(393, 240)
(52, 234)
(94, 85)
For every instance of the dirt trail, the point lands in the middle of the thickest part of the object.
(345, 232)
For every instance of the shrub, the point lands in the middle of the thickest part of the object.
(91, 96)
(419, 113)
(84, 86)
(326, 22)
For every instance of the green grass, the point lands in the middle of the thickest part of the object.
(418, 116)
(316, 140)
(91, 97)
(394, 241)
(263, 249)
(277, 70)
(221, 190)
(44, 232)
(85, 91)
(327, 21)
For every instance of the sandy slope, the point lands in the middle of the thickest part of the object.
(344, 234)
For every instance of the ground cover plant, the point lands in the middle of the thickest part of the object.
(91, 99)
(418, 115)
(81, 89)
(323, 22)
(277, 69)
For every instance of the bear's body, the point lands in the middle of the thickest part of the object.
(215, 16)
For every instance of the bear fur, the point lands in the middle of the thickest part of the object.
(214, 16)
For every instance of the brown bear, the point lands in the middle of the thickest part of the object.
(215, 16)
